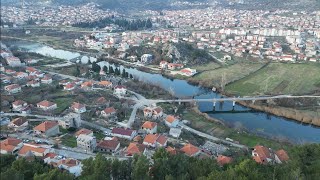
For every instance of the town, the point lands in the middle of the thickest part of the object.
(89, 92)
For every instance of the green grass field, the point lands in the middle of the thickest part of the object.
(69, 140)
(279, 78)
(233, 72)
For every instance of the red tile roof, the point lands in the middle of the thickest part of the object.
(46, 103)
(83, 131)
(222, 160)
(18, 102)
(9, 144)
(170, 118)
(149, 125)
(263, 154)
(43, 127)
(109, 110)
(282, 155)
(135, 148)
(28, 147)
(108, 144)
(190, 149)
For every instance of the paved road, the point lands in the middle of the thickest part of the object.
(213, 138)
(51, 118)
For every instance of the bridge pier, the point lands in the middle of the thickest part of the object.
(253, 101)
(233, 105)
(214, 105)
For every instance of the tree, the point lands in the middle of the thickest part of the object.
(105, 69)
(123, 73)
(131, 77)
(11, 174)
(96, 67)
(140, 168)
(54, 174)
(76, 71)
(111, 70)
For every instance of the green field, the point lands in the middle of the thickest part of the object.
(231, 73)
(279, 78)
(69, 140)
(205, 67)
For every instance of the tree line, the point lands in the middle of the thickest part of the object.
(304, 163)
(110, 70)
(123, 23)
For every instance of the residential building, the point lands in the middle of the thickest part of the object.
(33, 83)
(262, 155)
(32, 150)
(155, 140)
(174, 66)
(84, 131)
(86, 142)
(223, 160)
(281, 156)
(18, 105)
(124, 133)
(108, 112)
(146, 58)
(46, 105)
(106, 84)
(190, 150)
(171, 121)
(110, 146)
(150, 127)
(13, 88)
(69, 87)
(78, 108)
(120, 90)
(18, 124)
(46, 79)
(10, 145)
(70, 120)
(47, 128)
(175, 132)
(135, 148)
(157, 112)
(73, 166)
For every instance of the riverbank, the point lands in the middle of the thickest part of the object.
(288, 113)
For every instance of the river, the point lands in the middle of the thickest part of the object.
(243, 117)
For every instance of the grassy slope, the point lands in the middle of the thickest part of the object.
(232, 73)
(278, 78)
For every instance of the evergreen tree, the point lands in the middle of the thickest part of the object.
(96, 67)
(105, 69)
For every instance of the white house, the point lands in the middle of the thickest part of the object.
(78, 108)
(18, 124)
(120, 90)
(86, 142)
(175, 132)
(155, 140)
(111, 146)
(13, 88)
(124, 133)
(73, 166)
(46, 105)
(18, 105)
(150, 127)
(146, 58)
(171, 121)
(107, 112)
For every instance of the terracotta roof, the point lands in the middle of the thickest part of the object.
(101, 100)
(18, 102)
(282, 155)
(83, 131)
(109, 110)
(263, 154)
(190, 149)
(12, 86)
(18, 121)
(69, 86)
(76, 105)
(43, 127)
(28, 147)
(158, 109)
(51, 155)
(135, 148)
(149, 125)
(108, 144)
(147, 109)
(222, 160)
(105, 83)
(162, 140)
(170, 118)
(9, 144)
(86, 84)
(171, 150)
(46, 103)
(68, 162)
(151, 138)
